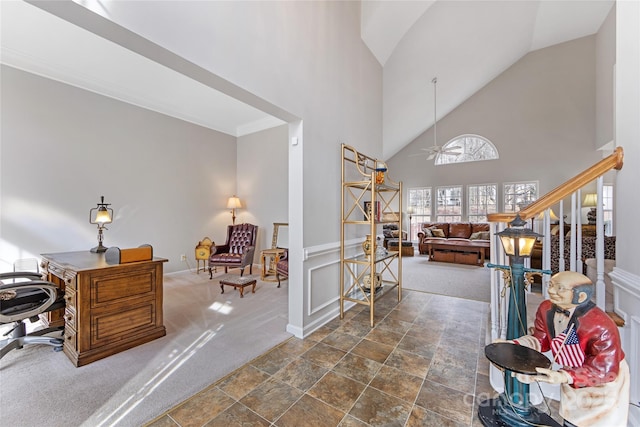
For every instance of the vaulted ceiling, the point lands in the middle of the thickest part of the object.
(465, 44)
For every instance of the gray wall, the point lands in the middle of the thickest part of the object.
(64, 147)
(263, 181)
(539, 114)
(308, 59)
(305, 57)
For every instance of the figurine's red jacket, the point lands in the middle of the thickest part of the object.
(599, 340)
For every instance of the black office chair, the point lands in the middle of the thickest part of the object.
(24, 295)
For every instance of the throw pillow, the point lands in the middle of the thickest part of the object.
(427, 232)
(437, 232)
(479, 235)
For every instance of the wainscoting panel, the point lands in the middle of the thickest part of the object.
(627, 305)
(322, 284)
(324, 289)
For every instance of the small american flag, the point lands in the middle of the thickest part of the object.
(566, 349)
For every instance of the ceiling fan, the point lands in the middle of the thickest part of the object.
(436, 149)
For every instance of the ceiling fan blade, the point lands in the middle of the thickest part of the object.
(431, 156)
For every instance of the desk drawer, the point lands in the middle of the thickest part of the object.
(70, 299)
(70, 318)
(121, 322)
(70, 339)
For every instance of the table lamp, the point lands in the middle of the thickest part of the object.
(100, 215)
(590, 201)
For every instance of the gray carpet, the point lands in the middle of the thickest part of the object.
(455, 280)
(209, 334)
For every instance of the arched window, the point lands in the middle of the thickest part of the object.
(466, 148)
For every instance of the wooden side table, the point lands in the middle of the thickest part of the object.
(203, 251)
(269, 259)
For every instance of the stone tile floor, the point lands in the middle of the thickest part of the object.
(422, 364)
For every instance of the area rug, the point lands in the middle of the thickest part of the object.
(443, 278)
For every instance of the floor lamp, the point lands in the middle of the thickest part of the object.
(233, 203)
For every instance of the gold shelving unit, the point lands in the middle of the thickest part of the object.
(359, 272)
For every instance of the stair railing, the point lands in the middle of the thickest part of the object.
(573, 189)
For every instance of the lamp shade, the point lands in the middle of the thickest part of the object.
(102, 215)
(552, 215)
(233, 203)
(590, 200)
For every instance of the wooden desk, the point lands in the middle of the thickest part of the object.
(109, 308)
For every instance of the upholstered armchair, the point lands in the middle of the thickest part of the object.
(282, 267)
(238, 250)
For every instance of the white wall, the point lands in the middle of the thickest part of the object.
(626, 275)
(64, 147)
(539, 114)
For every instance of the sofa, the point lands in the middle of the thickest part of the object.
(458, 242)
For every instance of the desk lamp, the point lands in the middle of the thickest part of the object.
(100, 215)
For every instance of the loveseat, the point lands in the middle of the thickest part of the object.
(459, 242)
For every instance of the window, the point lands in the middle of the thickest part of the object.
(420, 210)
(607, 201)
(449, 208)
(481, 200)
(467, 148)
(517, 195)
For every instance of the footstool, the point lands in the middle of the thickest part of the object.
(238, 282)
(407, 247)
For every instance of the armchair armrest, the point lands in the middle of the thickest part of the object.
(247, 256)
(219, 249)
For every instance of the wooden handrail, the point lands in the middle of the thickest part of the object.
(613, 161)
